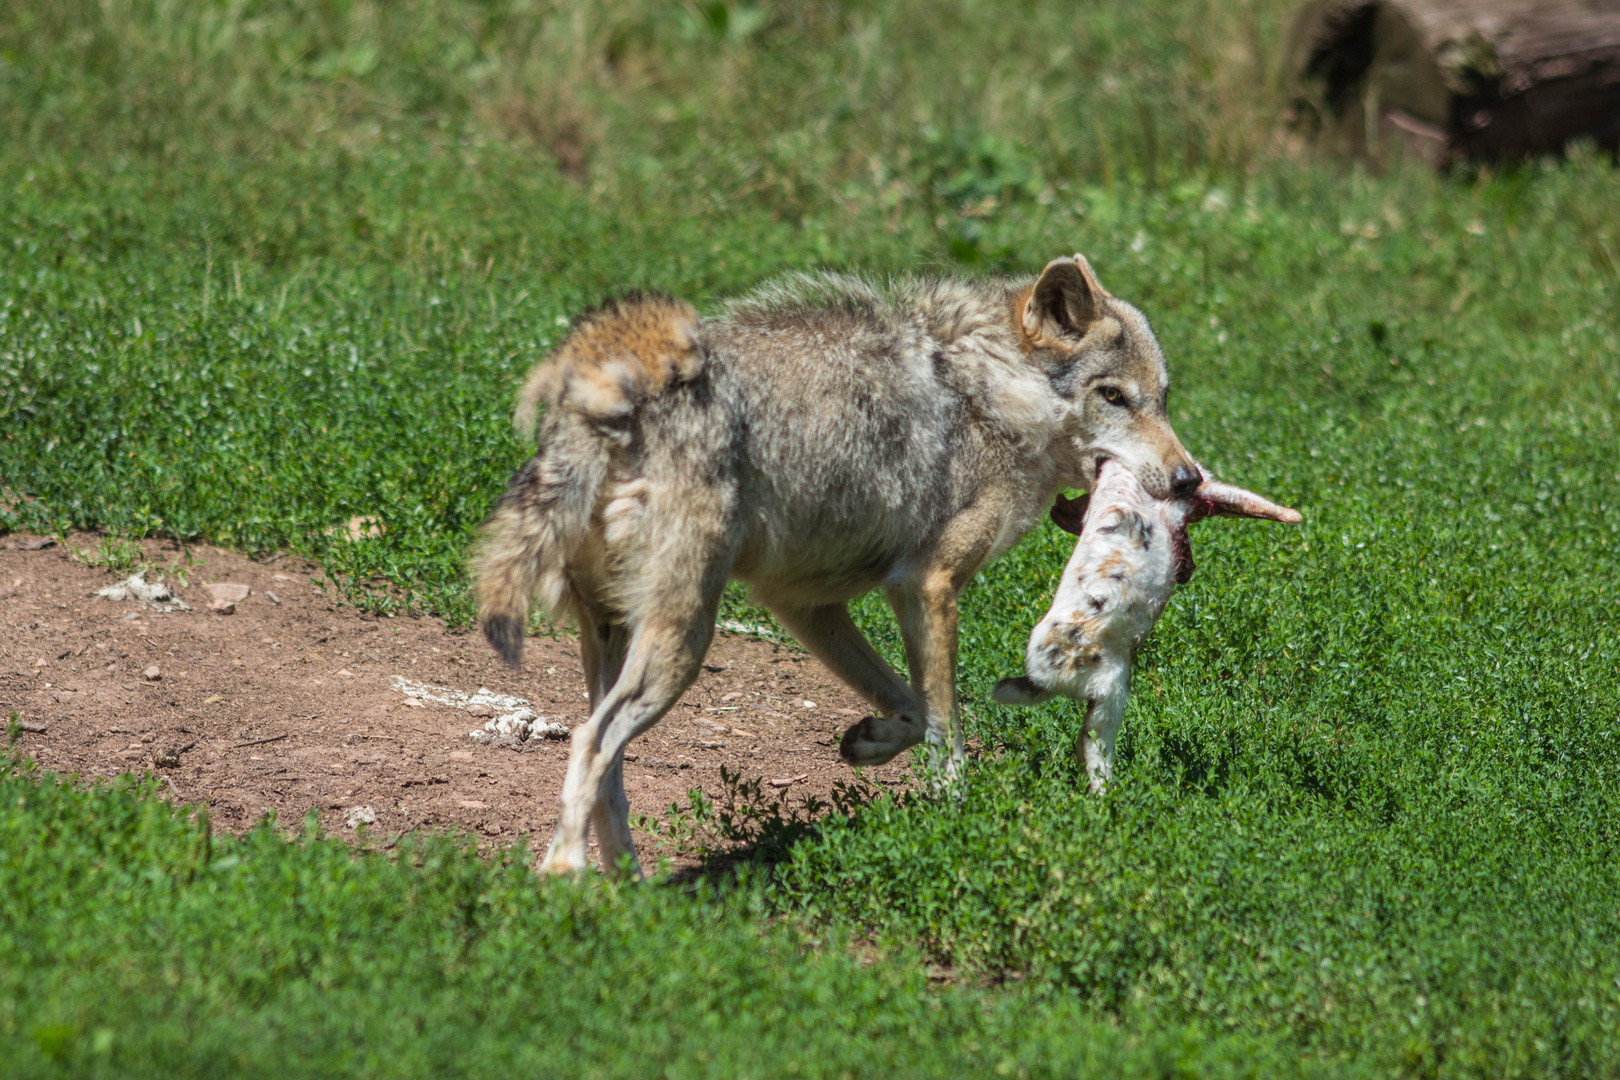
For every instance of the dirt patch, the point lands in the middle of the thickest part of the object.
(292, 702)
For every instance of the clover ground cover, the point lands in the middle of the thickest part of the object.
(1366, 813)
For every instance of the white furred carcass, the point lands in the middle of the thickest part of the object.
(1132, 553)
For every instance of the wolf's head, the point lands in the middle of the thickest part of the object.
(1102, 359)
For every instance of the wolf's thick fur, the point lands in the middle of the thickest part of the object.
(825, 435)
(626, 351)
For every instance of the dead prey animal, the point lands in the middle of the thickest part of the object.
(1132, 553)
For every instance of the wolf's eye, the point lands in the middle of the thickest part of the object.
(1112, 395)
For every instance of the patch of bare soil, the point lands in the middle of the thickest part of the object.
(290, 703)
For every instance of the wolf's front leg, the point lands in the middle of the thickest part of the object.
(832, 637)
(928, 626)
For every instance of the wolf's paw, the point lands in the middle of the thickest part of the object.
(559, 863)
(878, 739)
(622, 867)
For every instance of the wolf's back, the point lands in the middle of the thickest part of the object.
(584, 398)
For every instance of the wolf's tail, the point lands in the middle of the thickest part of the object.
(615, 358)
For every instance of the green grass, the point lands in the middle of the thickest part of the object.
(137, 945)
(265, 267)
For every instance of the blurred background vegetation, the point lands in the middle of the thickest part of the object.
(962, 110)
(830, 94)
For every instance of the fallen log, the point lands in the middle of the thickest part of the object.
(1490, 80)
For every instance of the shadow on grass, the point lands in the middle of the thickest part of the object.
(748, 827)
(1201, 769)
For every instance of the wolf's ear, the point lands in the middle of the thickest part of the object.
(1063, 303)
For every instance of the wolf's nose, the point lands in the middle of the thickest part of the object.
(1184, 481)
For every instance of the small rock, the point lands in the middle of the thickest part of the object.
(38, 544)
(733, 696)
(480, 709)
(274, 599)
(788, 781)
(414, 703)
(360, 815)
(808, 704)
(224, 596)
(153, 673)
(474, 804)
(345, 672)
(41, 662)
(709, 727)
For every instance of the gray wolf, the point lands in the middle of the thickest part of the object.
(1132, 553)
(822, 436)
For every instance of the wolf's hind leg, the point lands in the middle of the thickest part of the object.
(831, 636)
(665, 649)
(610, 817)
(603, 643)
